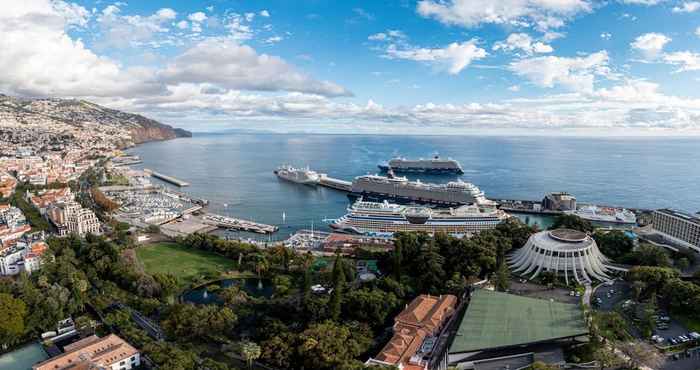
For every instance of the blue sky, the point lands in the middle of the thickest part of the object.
(436, 66)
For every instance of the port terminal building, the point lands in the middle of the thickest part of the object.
(677, 226)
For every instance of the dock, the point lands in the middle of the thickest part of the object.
(166, 178)
(238, 224)
(336, 184)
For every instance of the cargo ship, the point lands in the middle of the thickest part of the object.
(400, 190)
(298, 175)
(385, 219)
(435, 165)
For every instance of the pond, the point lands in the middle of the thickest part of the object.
(254, 287)
(23, 358)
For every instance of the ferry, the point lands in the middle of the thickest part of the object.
(385, 219)
(435, 165)
(298, 175)
(606, 215)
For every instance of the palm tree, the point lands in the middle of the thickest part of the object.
(250, 352)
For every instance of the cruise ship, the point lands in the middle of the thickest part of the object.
(606, 215)
(299, 175)
(385, 219)
(400, 190)
(435, 165)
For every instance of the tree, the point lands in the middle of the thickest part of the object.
(569, 221)
(371, 306)
(398, 260)
(430, 269)
(683, 263)
(338, 287)
(613, 244)
(502, 278)
(650, 255)
(327, 345)
(250, 352)
(168, 284)
(13, 312)
(306, 286)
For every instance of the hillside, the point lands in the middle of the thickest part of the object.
(81, 113)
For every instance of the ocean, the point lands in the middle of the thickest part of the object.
(234, 171)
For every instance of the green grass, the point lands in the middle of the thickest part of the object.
(185, 263)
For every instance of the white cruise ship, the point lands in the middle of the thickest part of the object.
(374, 218)
(435, 165)
(606, 215)
(299, 175)
(401, 190)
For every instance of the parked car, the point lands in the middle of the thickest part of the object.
(672, 341)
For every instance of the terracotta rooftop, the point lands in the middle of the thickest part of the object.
(90, 351)
(423, 317)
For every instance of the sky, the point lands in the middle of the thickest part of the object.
(552, 67)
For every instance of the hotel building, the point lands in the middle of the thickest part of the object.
(679, 227)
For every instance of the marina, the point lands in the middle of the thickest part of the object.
(238, 224)
(166, 178)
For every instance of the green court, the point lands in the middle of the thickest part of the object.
(183, 262)
(495, 319)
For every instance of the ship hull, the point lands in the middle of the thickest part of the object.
(430, 171)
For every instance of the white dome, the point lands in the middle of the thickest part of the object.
(566, 252)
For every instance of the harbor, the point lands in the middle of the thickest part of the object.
(166, 178)
(238, 224)
(334, 183)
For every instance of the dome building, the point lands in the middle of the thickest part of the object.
(565, 252)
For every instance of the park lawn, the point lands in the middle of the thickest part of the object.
(183, 262)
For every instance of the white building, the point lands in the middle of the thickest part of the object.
(110, 352)
(22, 256)
(677, 226)
(82, 221)
(566, 252)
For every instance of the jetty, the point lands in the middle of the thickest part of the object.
(333, 183)
(166, 178)
(238, 224)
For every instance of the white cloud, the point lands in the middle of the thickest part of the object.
(642, 2)
(453, 58)
(183, 25)
(273, 39)
(54, 64)
(576, 74)
(73, 14)
(238, 27)
(514, 88)
(388, 35)
(120, 31)
(687, 7)
(650, 44)
(688, 61)
(541, 14)
(606, 35)
(264, 13)
(198, 17)
(226, 63)
(524, 43)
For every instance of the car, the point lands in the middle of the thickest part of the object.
(665, 318)
(672, 341)
(694, 335)
(571, 293)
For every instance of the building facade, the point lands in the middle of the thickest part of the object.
(559, 202)
(678, 226)
(416, 332)
(110, 352)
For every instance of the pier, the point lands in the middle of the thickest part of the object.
(336, 184)
(238, 224)
(166, 178)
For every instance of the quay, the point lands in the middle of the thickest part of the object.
(336, 184)
(166, 178)
(238, 224)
